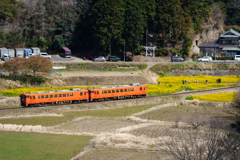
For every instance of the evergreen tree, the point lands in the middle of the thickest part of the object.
(108, 23)
(133, 25)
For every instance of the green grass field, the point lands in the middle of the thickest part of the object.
(68, 116)
(29, 146)
(44, 121)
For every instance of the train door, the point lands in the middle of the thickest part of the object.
(32, 99)
(97, 94)
(141, 88)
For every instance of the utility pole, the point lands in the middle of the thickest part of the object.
(110, 48)
(124, 52)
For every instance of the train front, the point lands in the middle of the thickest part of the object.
(23, 100)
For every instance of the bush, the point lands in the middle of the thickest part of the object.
(189, 98)
(160, 52)
(161, 73)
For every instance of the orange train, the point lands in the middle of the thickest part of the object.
(77, 95)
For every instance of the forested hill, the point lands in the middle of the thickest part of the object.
(99, 24)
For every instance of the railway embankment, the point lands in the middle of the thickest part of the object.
(193, 69)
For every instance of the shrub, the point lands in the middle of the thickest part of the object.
(189, 98)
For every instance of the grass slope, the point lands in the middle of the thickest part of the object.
(30, 146)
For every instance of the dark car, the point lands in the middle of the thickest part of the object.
(177, 59)
(113, 58)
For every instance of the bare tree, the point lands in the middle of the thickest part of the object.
(211, 143)
(196, 120)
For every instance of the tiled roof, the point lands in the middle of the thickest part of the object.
(231, 49)
(213, 44)
(236, 34)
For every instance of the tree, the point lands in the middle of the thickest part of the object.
(108, 20)
(212, 142)
(39, 64)
(15, 65)
(133, 25)
(58, 42)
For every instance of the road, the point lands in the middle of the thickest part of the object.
(58, 59)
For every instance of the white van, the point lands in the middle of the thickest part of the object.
(237, 58)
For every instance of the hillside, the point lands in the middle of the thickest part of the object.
(91, 28)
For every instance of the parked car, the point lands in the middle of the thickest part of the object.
(114, 58)
(6, 57)
(99, 59)
(177, 59)
(205, 59)
(44, 54)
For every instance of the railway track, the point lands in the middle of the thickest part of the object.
(167, 95)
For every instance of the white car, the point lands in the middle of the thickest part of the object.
(44, 54)
(205, 59)
(6, 57)
(99, 59)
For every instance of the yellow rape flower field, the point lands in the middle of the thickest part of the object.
(155, 89)
(221, 97)
(19, 91)
(200, 78)
(168, 85)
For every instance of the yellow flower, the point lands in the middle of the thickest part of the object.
(222, 97)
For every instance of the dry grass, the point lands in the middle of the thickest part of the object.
(111, 154)
(95, 125)
(186, 111)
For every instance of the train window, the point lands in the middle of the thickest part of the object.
(132, 89)
(128, 89)
(81, 94)
(51, 96)
(105, 92)
(30, 97)
(117, 90)
(125, 90)
(121, 90)
(38, 97)
(140, 88)
(55, 95)
(97, 92)
(68, 94)
(33, 97)
(46, 96)
(60, 95)
(71, 94)
(64, 95)
(85, 93)
(113, 91)
(144, 88)
(109, 91)
(42, 96)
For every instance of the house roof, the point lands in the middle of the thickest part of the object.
(231, 49)
(213, 44)
(230, 33)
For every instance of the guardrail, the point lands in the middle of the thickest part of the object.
(59, 67)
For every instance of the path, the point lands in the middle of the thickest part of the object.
(151, 76)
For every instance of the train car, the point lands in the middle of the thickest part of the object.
(54, 97)
(118, 92)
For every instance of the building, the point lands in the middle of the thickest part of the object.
(228, 44)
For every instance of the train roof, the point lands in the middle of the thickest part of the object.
(59, 91)
(120, 86)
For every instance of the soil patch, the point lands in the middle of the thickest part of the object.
(100, 154)
(95, 125)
